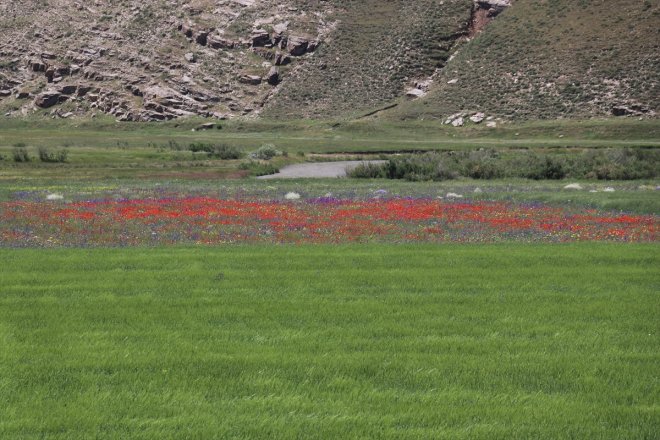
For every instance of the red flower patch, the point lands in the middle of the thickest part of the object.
(212, 221)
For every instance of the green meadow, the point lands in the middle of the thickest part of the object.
(317, 342)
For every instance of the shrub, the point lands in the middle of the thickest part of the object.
(197, 147)
(265, 152)
(46, 155)
(368, 171)
(21, 154)
(542, 168)
(226, 152)
(258, 168)
(221, 151)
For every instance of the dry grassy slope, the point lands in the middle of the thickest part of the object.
(378, 49)
(554, 58)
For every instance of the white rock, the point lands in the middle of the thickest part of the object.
(609, 189)
(292, 196)
(54, 197)
(458, 122)
(452, 81)
(454, 196)
(415, 93)
(491, 124)
(478, 190)
(477, 117)
(573, 186)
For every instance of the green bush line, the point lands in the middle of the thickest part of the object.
(605, 164)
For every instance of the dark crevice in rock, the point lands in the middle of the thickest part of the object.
(483, 12)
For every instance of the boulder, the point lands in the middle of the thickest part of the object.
(218, 42)
(47, 99)
(67, 90)
(458, 122)
(202, 38)
(455, 117)
(297, 45)
(206, 126)
(477, 118)
(273, 76)
(634, 110)
(280, 28)
(260, 38)
(415, 93)
(282, 59)
(253, 80)
(83, 90)
(37, 66)
(190, 57)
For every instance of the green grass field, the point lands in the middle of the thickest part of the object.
(332, 136)
(456, 342)
(104, 149)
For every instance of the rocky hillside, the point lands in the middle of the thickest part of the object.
(153, 59)
(543, 59)
(162, 59)
(379, 51)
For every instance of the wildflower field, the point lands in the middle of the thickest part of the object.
(328, 310)
(208, 220)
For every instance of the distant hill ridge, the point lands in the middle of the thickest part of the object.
(397, 59)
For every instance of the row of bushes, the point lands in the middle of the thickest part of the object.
(604, 164)
(227, 152)
(21, 154)
(220, 151)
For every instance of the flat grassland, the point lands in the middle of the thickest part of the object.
(362, 341)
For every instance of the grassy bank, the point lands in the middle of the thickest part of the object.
(332, 136)
(502, 341)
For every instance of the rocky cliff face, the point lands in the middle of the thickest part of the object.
(154, 59)
(162, 59)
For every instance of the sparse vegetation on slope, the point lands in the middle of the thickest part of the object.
(377, 49)
(554, 58)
